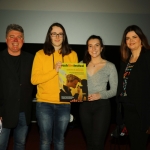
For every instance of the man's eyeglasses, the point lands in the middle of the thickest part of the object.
(54, 34)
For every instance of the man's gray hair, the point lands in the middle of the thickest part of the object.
(15, 27)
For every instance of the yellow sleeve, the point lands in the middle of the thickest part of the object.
(38, 75)
(75, 57)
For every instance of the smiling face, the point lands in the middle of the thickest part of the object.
(94, 48)
(133, 41)
(73, 83)
(56, 37)
(14, 40)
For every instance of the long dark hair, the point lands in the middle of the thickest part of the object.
(87, 56)
(125, 51)
(48, 47)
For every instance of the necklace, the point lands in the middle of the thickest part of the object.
(95, 64)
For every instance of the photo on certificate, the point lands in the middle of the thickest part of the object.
(73, 82)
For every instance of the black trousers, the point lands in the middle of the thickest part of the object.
(138, 138)
(95, 120)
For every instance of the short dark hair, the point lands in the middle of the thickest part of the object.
(48, 47)
(87, 56)
(125, 51)
(15, 27)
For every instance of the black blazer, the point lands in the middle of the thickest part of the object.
(138, 87)
(12, 90)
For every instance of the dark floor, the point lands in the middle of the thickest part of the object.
(74, 139)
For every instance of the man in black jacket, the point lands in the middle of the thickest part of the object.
(15, 88)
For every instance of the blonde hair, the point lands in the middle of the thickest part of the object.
(71, 77)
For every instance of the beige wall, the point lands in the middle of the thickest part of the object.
(81, 18)
(106, 6)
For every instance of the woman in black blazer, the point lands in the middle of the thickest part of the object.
(134, 85)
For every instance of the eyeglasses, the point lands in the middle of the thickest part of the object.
(54, 34)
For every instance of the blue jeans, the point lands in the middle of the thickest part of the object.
(20, 133)
(52, 118)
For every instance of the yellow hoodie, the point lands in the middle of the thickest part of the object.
(45, 76)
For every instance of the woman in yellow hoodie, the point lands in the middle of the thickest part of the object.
(52, 115)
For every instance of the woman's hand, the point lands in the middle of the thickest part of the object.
(75, 100)
(93, 97)
(58, 66)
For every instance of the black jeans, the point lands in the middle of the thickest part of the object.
(95, 120)
(138, 138)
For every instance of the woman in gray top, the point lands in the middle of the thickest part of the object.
(95, 113)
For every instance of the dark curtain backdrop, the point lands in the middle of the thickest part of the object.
(112, 54)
